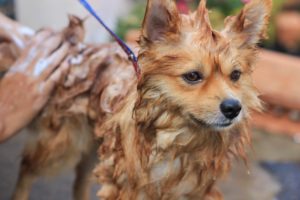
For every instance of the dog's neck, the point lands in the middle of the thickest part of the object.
(154, 145)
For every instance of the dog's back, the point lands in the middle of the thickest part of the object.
(62, 136)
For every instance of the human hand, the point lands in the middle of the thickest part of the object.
(26, 87)
(13, 39)
(14, 32)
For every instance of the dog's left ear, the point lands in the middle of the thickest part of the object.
(250, 26)
(161, 20)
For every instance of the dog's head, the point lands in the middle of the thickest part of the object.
(205, 73)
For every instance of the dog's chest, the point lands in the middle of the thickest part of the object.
(182, 176)
(176, 169)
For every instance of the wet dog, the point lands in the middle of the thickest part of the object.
(174, 135)
(169, 134)
(62, 136)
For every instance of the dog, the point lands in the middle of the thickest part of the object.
(169, 134)
(62, 136)
(176, 132)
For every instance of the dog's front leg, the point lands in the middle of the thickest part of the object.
(24, 183)
(214, 194)
(82, 184)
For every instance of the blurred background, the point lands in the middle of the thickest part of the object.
(273, 170)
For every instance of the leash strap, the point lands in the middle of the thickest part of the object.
(126, 49)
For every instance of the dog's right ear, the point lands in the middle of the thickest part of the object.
(161, 20)
(248, 27)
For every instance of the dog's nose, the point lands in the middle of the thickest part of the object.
(230, 108)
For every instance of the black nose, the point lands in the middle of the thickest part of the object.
(230, 108)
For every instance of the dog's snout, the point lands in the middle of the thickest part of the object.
(230, 108)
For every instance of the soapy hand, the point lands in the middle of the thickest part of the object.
(26, 87)
(14, 32)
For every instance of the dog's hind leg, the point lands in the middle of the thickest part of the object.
(83, 180)
(24, 183)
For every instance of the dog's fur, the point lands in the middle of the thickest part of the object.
(166, 142)
(61, 137)
(162, 139)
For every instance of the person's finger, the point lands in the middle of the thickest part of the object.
(51, 44)
(24, 63)
(40, 37)
(23, 34)
(54, 60)
(55, 77)
(4, 35)
(40, 61)
(25, 31)
(14, 32)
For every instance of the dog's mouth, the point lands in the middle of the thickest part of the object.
(222, 125)
(202, 123)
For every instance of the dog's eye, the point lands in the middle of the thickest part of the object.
(192, 77)
(235, 75)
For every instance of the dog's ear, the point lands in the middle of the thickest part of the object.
(161, 20)
(203, 18)
(250, 25)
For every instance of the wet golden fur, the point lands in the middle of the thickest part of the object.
(61, 137)
(165, 143)
(159, 135)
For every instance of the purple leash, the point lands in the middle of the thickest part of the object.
(126, 49)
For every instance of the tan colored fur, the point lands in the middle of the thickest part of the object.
(158, 135)
(153, 148)
(62, 136)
